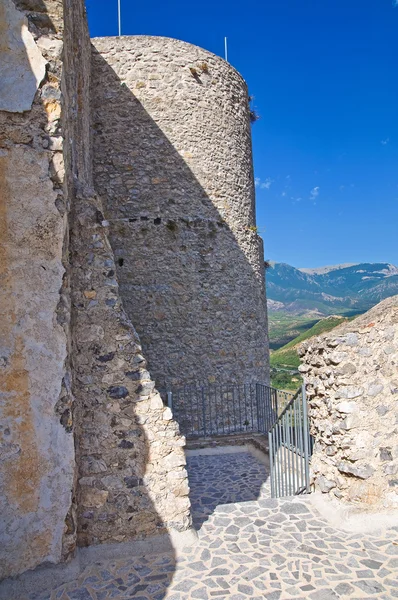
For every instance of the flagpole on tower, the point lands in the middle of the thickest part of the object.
(226, 48)
(119, 18)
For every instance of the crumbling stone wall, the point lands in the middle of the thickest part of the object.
(351, 379)
(173, 164)
(131, 477)
(36, 444)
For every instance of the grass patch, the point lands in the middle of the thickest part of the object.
(284, 328)
(284, 380)
(287, 355)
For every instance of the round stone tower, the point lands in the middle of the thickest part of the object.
(173, 164)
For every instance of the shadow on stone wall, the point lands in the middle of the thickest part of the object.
(192, 285)
(132, 483)
(123, 491)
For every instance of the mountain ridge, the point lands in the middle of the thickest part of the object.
(339, 289)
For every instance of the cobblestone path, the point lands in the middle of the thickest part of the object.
(249, 548)
(224, 479)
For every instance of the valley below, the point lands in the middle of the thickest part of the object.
(303, 303)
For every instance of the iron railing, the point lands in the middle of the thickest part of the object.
(223, 409)
(290, 448)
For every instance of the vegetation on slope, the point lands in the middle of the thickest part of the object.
(282, 379)
(285, 361)
(285, 327)
(287, 355)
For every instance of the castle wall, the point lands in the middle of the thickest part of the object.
(351, 379)
(173, 165)
(72, 373)
(131, 480)
(89, 453)
(36, 443)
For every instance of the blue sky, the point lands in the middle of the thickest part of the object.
(324, 74)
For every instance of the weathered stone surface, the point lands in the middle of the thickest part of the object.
(50, 45)
(73, 370)
(363, 472)
(353, 405)
(22, 66)
(180, 204)
(325, 485)
(93, 498)
(349, 392)
(347, 407)
(37, 470)
(139, 487)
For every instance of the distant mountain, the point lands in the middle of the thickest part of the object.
(340, 289)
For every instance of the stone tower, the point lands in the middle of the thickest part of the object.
(173, 164)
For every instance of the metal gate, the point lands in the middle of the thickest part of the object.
(290, 449)
(224, 409)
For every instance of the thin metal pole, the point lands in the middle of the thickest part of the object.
(198, 408)
(271, 462)
(296, 443)
(210, 421)
(289, 449)
(270, 409)
(204, 411)
(284, 454)
(192, 419)
(233, 406)
(225, 47)
(246, 419)
(258, 406)
(306, 441)
(300, 404)
(240, 409)
(119, 18)
(170, 400)
(279, 460)
(251, 404)
(216, 408)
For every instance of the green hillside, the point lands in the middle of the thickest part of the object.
(284, 327)
(287, 355)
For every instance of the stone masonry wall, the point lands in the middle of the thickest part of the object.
(351, 379)
(131, 477)
(173, 164)
(71, 368)
(36, 443)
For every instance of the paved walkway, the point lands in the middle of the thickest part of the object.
(249, 547)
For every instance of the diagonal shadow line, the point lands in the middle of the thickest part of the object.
(179, 262)
(222, 479)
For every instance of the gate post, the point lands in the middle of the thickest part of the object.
(275, 394)
(271, 462)
(258, 406)
(306, 434)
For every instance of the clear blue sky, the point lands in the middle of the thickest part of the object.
(324, 74)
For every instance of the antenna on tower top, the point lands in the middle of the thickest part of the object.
(225, 47)
(119, 19)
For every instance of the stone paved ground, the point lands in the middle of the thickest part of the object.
(249, 549)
